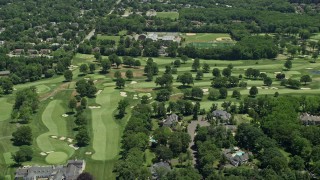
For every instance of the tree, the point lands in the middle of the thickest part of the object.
(230, 66)
(85, 176)
(236, 94)
(163, 95)
(206, 67)
(288, 64)
(92, 68)
(213, 94)
(163, 153)
(184, 58)
(253, 91)
(267, 81)
(129, 74)
(122, 105)
(72, 104)
(305, 79)
(82, 137)
(144, 99)
(185, 78)
(216, 72)
(84, 68)
(84, 102)
(22, 136)
(226, 72)
(197, 93)
(196, 64)
(199, 75)
(7, 85)
(117, 75)
(315, 56)
(297, 163)
(223, 93)
(179, 142)
(120, 83)
(68, 75)
(24, 154)
(177, 63)
(106, 65)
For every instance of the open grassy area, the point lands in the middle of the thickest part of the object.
(5, 109)
(171, 15)
(106, 37)
(57, 158)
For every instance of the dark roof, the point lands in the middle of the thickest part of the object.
(4, 72)
(224, 115)
(160, 165)
(308, 117)
(173, 118)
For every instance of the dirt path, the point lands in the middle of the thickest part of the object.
(191, 131)
(54, 92)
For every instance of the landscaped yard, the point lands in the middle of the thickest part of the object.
(171, 15)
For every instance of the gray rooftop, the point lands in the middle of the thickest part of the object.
(224, 115)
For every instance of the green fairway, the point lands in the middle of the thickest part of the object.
(106, 37)
(57, 126)
(56, 158)
(5, 109)
(204, 37)
(42, 88)
(171, 15)
(106, 132)
(8, 158)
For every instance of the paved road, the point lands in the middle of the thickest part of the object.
(191, 130)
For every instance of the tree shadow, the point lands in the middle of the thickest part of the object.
(184, 86)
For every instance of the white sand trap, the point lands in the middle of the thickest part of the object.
(87, 79)
(248, 87)
(43, 154)
(94, 107)
(149, 94)
(123, 94)
(88, 153)
(309, 68)
(191, 34)
(305, 88)
(62, 138)
(223, 39)
(259, 87)
(69, 140)
(74, 147)
(99, 92)
(277, 72)
(135, 98)
(133, 82)
(54, 137)
(273, 88)
(205, 90)
(132, 107)
(49, 152)
(95, 81)
(135, 95)
(65, 115)
(266, 88)
(150, 98)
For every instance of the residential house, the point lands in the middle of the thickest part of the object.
(151, 13)
(159, 167)
(171, 120)
(32, 51)
(45, 51)
(223, 115)
(4, 73)
(60, 172)
(308, 119)
(236, 156)
(18, 51)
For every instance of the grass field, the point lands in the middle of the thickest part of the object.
(5, 109)
(106, 37)
(204, 37)
(171, 15)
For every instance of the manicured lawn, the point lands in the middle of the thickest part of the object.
(5, 109)
(205, 37)
(106, 37)
(149, 156)
(57, 158)
(171, 15)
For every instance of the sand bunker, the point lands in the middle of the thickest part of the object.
(43, 154)
(54, 137)
(49, 152)
(65, 115)
(309, 68)
(123, 94)
(94, 107)
(62, 138)
(305, 88)
(205, 90)
(273, 88)
(277, 72)
(88, 153)
(223, 39)
(191, 34)
(133, 82)
(69, 140)
(98, 92)
(135, 98)
(74, 146)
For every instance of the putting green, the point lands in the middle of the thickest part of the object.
(57, 126)
(43, 88)
(56, 158)
(5, 109)
(106, 132)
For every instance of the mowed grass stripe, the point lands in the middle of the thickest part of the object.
(57, 126)
(5, 109)
(106, 132)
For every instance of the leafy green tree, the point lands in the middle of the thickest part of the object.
(84, 102)
(177, 63)
(184, 58)
(206, 67)
(85, 176)
(267, 81)
(236, 94)
(297, 163)
(230, 66)
(106, 65)
(226, 72)
(122, 105)
(117, 75)
(216, 72)
(213, 94)
(196, 64)
(196, 93)
(185, 78)
(84, 68)
(120, 83)
(72, 104)
(144, 99)
(305, 79)
(22, 136)
(82, 138)
(223, 93)
(253, 91)
(163, 95)
(7, 85)
(163, 153)
(92, 68)
(129, 74)
(199, 75)
(24, 154)
(179, 142)
(288, 64)
(168, 69)
(68, 75)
